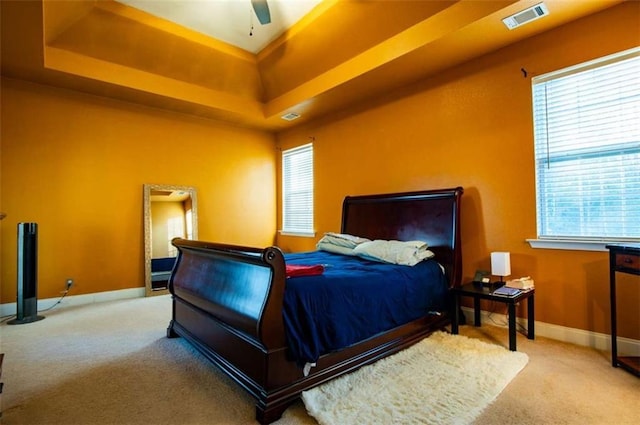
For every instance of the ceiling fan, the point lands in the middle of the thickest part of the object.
(262, 11)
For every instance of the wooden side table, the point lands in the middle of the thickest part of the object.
(478, 292)
(622, 259)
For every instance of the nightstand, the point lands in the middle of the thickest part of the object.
(478, 292)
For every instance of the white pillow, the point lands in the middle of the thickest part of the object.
(336, 249)
(343, 239)
(407, 253)
(340, 243)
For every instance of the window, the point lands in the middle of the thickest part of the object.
(189, 223)
(175, 229)
(297, 190)
(587, 150)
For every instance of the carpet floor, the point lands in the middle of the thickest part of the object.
(110, 363)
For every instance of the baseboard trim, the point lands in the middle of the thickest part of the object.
(10, 309)
(596, 340)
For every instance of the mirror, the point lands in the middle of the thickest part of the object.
(169, 212)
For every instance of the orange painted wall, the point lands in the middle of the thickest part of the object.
(75, 164)
(471, 126)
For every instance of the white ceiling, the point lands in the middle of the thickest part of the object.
(231, 21)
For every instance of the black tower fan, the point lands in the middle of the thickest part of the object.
(27, 300)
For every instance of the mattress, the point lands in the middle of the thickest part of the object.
(355, 299)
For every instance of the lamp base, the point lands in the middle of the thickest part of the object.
(491, 285)
(495, 285)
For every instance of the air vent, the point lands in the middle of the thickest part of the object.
(290, 116)
(526, 16)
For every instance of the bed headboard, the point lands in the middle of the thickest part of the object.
(432, 216)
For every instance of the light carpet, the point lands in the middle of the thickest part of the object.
(111, 364)
(443, 379)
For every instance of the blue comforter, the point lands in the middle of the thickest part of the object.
(355, 299)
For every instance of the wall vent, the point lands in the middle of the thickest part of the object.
(290, 116)
(526, 16)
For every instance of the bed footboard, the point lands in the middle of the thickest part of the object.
(240, 287)
(227, 302)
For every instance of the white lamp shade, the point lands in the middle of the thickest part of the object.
(500, 264)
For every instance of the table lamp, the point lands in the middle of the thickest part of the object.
(500, 266)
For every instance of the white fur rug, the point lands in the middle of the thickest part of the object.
(443, 379)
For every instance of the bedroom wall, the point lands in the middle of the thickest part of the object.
(75, 164)
(471, 126)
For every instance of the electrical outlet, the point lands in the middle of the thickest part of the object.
(69, 283)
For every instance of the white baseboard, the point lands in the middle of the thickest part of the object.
(596, 340)
(10, 309)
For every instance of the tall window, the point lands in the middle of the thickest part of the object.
(297, 190)
(587, 150)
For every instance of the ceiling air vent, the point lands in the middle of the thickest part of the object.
(526, 16)
(290, 116)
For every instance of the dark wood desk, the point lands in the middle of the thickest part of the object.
(479, 292)
(622, 259)
(1, 384)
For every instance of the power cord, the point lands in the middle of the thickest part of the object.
(64, 294)
(493, 307)
(5, 318)
(505, 321)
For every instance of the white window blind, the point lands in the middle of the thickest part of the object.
(297, 190)
(587, 150)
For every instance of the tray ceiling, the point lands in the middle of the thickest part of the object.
(339, 54)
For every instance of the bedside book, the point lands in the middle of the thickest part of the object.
(506, 291)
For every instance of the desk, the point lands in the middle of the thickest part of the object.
(622, 259)
(478, 292)
(1, 384)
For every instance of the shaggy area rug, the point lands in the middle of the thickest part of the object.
(443, 379)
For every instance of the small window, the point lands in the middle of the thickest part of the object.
(587, 150)
(297, 190)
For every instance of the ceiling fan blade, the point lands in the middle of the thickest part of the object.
(262, 11)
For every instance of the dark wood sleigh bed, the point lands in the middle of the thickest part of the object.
(228, 300)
